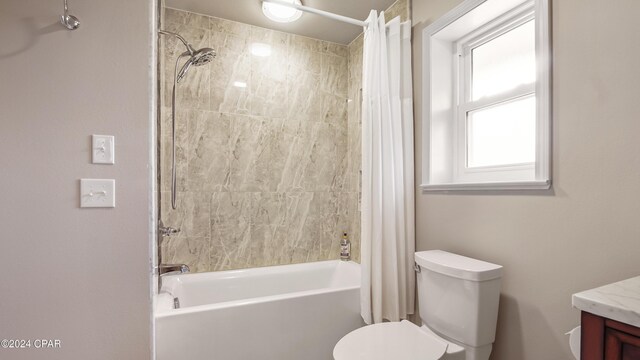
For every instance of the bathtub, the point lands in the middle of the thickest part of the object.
(274, 313)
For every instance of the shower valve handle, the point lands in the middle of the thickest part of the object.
(168, 231)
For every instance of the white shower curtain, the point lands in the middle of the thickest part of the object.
(388, 235)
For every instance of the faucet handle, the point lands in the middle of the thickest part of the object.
(168, 230)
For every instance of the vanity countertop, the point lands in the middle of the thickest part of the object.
(619, 301)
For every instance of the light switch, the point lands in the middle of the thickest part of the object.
(103, 151)
(97, 193)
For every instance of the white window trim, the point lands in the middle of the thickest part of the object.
(465, 104)
(538, 173)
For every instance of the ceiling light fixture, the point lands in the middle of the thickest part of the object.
(281, 13)
(240, 84)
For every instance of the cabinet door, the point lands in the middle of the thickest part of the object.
(621, 346)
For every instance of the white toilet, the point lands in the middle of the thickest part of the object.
(458, 299)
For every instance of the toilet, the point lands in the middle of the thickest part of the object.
(458, 298)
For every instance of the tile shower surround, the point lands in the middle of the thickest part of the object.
(268, 174)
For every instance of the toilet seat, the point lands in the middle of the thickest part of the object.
(392, 340)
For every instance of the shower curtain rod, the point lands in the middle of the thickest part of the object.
(319, 12)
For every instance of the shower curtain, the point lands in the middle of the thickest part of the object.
(388, 234)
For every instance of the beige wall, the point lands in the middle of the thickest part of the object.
(78, 275)
(585, 231)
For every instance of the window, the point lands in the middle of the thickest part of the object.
(487, 82)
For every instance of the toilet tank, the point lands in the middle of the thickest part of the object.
(459, 296)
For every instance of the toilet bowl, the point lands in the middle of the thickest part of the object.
(458, 299)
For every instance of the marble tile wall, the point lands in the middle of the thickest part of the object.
(265, 172)
(400, 8)
(268, 174)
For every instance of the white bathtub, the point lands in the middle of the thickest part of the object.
(274, 313)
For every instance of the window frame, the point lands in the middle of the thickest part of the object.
(463, 75)
(440, 113)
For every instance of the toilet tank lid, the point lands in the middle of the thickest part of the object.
(458, 266)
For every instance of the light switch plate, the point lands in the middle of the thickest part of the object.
(103, 149)
(99, 193)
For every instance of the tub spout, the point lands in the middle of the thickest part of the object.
(170, 269)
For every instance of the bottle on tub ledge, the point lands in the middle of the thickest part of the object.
(345, 248)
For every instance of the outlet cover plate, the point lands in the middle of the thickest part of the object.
(103, 149)
(97, 193)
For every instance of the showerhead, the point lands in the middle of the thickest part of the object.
(196, 57)
(203, 56)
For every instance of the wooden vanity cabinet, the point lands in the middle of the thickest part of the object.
(607, 339)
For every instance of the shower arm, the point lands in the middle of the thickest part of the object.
(190, 49)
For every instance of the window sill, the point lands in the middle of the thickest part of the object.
(499, 185)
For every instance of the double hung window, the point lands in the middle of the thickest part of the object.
(487, 114)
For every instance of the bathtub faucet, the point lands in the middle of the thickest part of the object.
(171, 269)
